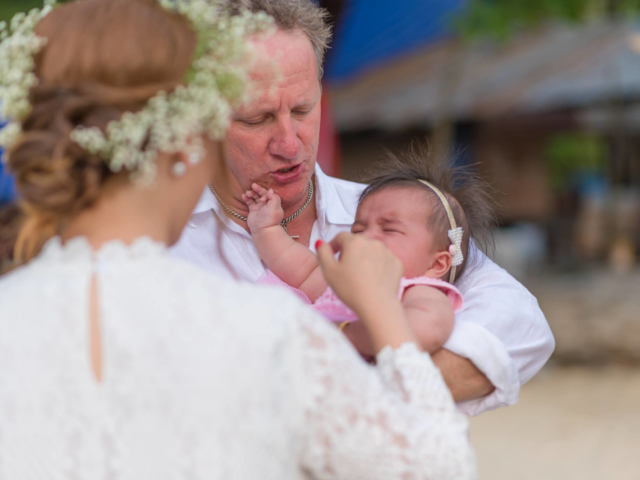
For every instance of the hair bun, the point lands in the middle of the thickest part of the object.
(89, 80)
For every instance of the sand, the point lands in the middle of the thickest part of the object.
(571, 423)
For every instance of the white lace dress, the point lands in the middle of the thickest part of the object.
(203, 379)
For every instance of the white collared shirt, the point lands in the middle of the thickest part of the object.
(500, 329)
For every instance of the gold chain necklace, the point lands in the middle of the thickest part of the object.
(284, 222)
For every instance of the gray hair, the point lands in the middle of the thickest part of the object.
(291, 15)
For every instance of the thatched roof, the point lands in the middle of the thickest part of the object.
(555, 67)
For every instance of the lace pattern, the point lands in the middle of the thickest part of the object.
(203, 378)
(360, 425)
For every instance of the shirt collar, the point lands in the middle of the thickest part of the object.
(336, 200)
(207, 202)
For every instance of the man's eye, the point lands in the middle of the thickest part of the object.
(302, 113)
(253, 121)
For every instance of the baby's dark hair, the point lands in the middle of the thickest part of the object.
(468, 195)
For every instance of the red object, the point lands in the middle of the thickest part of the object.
(329, 144)
(318, 243)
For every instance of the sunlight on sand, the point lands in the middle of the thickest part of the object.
(571, 423)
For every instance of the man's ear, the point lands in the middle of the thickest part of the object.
(440, 266)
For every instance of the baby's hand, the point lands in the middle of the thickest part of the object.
(265, 209)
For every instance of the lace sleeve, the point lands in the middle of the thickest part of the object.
(397, 420)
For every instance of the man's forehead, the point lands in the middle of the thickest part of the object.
(282, 54)
(298, 89)
(270, 96)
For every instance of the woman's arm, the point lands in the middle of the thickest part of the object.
(366, 279)
(396, 421)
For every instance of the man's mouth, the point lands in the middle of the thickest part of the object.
(288, 174)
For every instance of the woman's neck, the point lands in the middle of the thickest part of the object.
(125, 214)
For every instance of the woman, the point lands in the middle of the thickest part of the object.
(117, 361)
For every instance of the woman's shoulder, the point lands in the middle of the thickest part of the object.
(191, 275)
(26, 290)
(23, 276)
(251, 302)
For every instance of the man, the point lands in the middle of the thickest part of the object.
(501, 338)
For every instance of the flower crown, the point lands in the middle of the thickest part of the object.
(170, 122)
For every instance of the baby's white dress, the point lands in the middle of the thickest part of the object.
(203, 378)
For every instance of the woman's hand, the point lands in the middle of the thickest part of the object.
(366, 278)
(366, 270)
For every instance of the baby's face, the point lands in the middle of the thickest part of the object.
(398, 218)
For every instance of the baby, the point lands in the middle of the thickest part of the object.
(424, 213)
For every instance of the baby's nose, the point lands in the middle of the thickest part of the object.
(370, 233)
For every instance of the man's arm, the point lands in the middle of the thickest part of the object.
(499, 341)
(501, 331)
(463, 378)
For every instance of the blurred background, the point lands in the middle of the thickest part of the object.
(542, 97)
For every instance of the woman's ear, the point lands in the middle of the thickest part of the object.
(183, 161)
(440, 266)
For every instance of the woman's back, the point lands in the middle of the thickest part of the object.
(202, 378)
(197, 373)
(119, 362)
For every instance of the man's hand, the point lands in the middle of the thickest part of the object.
(265, 209)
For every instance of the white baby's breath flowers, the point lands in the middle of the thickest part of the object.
(18, 45)
(170, 122)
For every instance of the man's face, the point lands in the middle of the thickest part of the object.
(273, 140)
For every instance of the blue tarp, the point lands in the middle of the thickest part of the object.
(372, 32)
(7, 184)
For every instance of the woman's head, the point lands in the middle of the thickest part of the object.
(102, 58)
(412, 221)
(134, 85)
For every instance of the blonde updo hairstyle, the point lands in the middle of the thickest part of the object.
(102, 58)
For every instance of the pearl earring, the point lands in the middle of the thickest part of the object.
(179, 169)
(194, 158)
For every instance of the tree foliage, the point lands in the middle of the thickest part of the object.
(8, 8)
(498, 19)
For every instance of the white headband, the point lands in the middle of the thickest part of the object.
(455, 234)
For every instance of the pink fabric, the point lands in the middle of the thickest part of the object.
(332, 308)
(452, 293)
(270, 278)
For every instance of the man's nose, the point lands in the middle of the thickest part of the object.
(285, 142)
